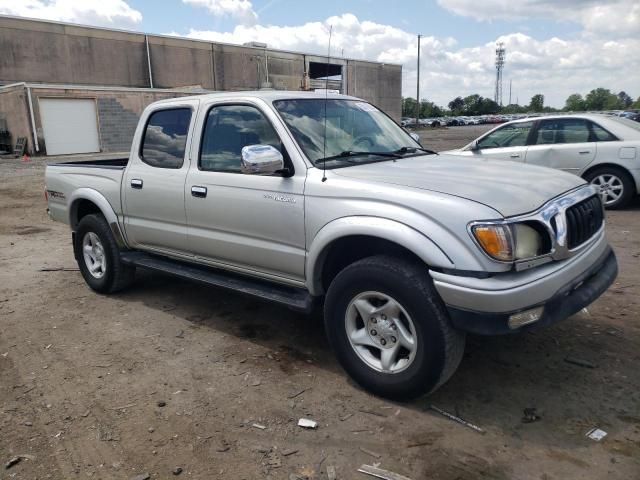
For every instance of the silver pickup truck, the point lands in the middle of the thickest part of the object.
(303, 199)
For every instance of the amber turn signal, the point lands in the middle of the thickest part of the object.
(495, 240)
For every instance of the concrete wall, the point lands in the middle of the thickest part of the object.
(48, 52)
(53, 53)
(377, 83)
(13, 103)
(178, 62)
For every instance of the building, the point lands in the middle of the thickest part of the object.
(75, 89)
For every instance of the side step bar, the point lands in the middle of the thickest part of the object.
(295, 298)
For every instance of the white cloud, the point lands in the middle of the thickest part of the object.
(107, 13)
(619, 17)
(240, 10)
(555, 67)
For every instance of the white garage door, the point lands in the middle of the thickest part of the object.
(69, 125)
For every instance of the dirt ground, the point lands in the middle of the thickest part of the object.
(170, 374)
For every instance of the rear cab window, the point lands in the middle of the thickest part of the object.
(165, 138)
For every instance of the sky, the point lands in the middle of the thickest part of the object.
(553, 47)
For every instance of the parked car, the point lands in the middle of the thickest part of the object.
(305, 200)
(604, 150)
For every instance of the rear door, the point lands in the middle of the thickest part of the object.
(564, 143)
(508, 142)
(153, 184)
(249, 223)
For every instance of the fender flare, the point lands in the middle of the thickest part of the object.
(105, 208)
(391, 230)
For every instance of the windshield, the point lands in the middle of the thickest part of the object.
(357, 132)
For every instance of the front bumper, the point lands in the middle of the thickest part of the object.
(575, 293)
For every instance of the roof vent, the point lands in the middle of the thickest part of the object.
(255, 44)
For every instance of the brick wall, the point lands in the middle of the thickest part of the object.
(117, 125)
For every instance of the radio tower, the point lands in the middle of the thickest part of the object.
(500, 52)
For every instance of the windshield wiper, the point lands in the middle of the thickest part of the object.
(350, 153)
(404, 150)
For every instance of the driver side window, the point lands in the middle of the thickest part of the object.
(513, 135)
(228, 129)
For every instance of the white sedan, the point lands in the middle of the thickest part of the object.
(604, 150)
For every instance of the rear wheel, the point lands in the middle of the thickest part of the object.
(390, 329)
(98, 256)
(615, 185)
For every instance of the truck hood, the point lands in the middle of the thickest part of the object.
(510, 188)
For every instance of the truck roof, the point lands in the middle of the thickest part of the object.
(267, 95)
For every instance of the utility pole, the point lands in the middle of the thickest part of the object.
(510, 91)
(418, 85)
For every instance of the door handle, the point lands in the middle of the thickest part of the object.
(583, 152)
(515, 155)
(136, 183)
(198, 191)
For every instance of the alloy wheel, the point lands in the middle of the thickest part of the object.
(381, 332)
(93, 254)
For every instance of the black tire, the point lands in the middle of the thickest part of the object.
(628, 186)
(116, 275)
(439, 347)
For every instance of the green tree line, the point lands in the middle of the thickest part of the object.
(596, 99)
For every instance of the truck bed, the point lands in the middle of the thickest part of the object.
(101, 177)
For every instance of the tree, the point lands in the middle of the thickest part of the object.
(472, 104)
(636, 104)
(429, 109)
(537, 103)
(574, 103)
(488, 106)
(624, 99)
(513, 108)
(602, 99)
(409, 107)
(456, 105)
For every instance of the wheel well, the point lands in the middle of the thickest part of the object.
(81, 208)
(347, 250)
(613, 166)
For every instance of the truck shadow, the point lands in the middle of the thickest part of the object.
(498, 378)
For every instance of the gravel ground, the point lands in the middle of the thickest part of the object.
(169, 374)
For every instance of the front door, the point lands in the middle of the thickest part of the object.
(508, 142)
(153, 185)
(251, 223)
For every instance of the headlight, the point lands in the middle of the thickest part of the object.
(507, 243)
(528, 241)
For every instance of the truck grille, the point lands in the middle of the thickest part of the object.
(584, 219)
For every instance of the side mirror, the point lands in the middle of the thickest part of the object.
(261, 160)
(415, 136)
(474, 146)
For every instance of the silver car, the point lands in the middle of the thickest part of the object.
(604, 150)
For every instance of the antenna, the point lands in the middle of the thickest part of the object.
(500, 54)
(326, 95)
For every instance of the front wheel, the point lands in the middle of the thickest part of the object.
(390, 329)
(615, 185)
